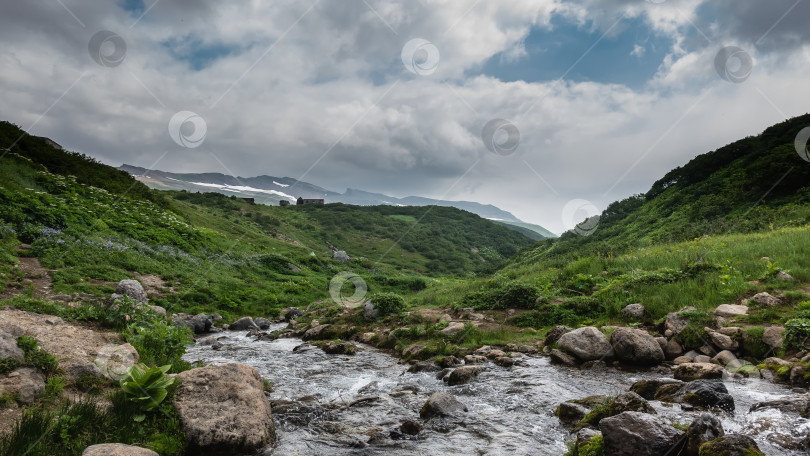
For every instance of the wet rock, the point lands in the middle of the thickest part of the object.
(773, 336)
(332, 347)
(639, 434)
(673, 349)
(704, 429)
(314, 332)
(199, 324)
(504, 361)
(9, 348)
(765, 299)
(243, 324)
(492, 354)
(586, 344)
(414, 351)
(262, 323)
(798, 403)
(223, 409)
(777, 361)
(730, 310)
(570, 412)
(410, 427)
(441, 404)
(631, 402)
(463, 374)
(133, 289)
(731, 445)
(559, 357)
(724, 358)
(798, 376)
(292, 313)
(424, 366)
(682, 360)
(633, 312)
(636, 346)
(554, 335)
(648, 388)
(475, 359)
(449, 361)
(695, 371)
(117, 449)
(442, 375)
(27, 383)
(707, 394)
(584, 437)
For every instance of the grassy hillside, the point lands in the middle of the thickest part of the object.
(755, 184)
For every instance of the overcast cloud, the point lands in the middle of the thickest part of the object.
(317, 90)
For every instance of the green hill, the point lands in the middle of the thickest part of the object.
(753, 184)
(94, 225)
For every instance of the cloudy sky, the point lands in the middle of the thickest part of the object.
(598, 98)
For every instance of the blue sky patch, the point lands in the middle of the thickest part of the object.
(198, 54)
(630, 57)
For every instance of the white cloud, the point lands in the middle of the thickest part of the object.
(327, 88)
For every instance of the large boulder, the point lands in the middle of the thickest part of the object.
(587, 344)
(315, 332)
(243, 324)
(648, 388)
(116, 449)
(704, 429)
(636, 346)
(730, 310)
(639, 434)
(765, 299)
(633, 312)
(9, 348)
(25, 383)
(798, 403)
(223, 409)
(696, 371)
(199, 324)
(731, 445)
(463, 374)
(772, 336)
(706, 394)
(441, 404)
(262, 323)
(133, 289)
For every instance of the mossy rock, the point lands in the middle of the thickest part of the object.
(731, 445)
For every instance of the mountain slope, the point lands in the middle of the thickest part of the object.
(754, 184)
(270, 190)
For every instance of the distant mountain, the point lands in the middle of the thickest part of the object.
(270, 190)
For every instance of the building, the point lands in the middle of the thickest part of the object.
(283, 203)
(309, 201)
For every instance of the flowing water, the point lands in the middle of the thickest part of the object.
(349, 405)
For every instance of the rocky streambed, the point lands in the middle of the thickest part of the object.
(368, 403)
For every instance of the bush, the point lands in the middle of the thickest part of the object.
(518, 296)
(159, 342)
(8, 364)
(388, 303)
(37, 357)
(797, 333)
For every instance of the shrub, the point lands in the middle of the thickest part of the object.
(146, 387)
(37, 357)
(518, 296)
(388, 303)
(8, 364)
(797, 333)
(159, 342)
(54, 387)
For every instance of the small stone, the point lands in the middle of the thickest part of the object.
(724, 358)
(730, 310)
(463, 374)
(441, 404)
(765, 299)
(633, 312)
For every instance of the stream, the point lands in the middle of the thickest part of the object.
(349, 405)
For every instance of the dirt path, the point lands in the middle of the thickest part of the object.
(34, 274)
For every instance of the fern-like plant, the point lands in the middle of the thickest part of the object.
(146, 386)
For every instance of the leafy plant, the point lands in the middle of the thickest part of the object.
(159, 342)
(797, 333)
(54, 387)
(146, 387)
